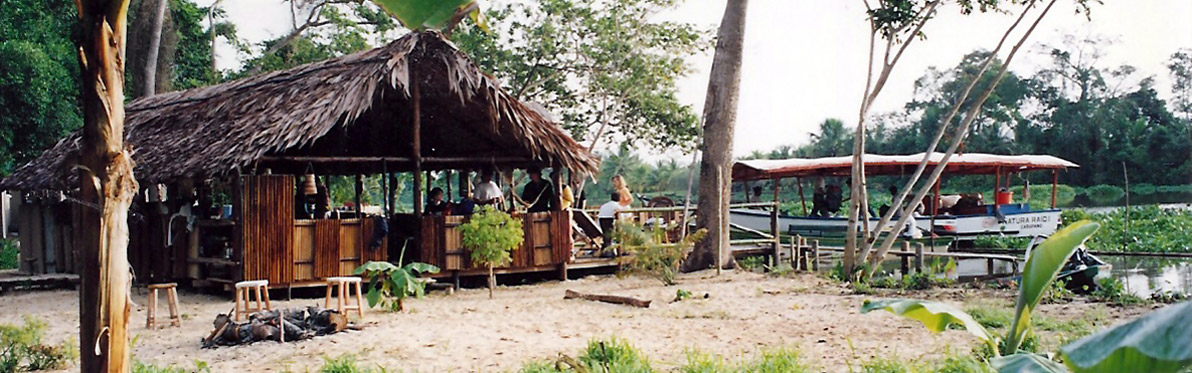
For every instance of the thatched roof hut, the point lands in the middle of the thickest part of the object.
(351, 114)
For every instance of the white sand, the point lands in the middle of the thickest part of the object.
(468, 332)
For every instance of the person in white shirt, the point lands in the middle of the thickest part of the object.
(608, 215)
(487, 192)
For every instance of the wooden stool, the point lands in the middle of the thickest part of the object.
(243, 289)
(171, 298)
(343, 301)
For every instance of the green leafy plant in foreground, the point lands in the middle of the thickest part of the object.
(491, 235)
(1156, 342)
(21, 348)
(390, 285)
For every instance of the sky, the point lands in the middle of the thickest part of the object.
(805, 60)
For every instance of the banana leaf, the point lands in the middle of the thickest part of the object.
(935, 316)
(1160, 341)
(1043, 263)
(1026, 363)
(422, 14)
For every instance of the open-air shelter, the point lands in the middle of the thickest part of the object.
(413, 106)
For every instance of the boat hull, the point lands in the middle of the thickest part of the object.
(967, 227)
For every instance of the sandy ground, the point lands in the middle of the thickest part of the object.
(467, 332)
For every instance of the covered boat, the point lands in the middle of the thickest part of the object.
(965, 222)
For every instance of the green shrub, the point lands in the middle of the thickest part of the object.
(614, 355)
(1058, 293)
(9, 254)
(491, 235)
(880, 364)
(1111, 290)
(390, 285)
(142, 367)
(21, 348)
(957, 363)
(1041, 195)
(1152, 229)
(775, 360)
(651, 254)
(1142, 189)
(1183, 188)
(753, 263)
(1104, 194)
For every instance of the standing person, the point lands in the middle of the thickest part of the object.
(622, 190)
(487, 192)
(538, 193)
(608, 216)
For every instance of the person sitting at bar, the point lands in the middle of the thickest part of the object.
(487, 192)
(435, 205)
(466, 206)
(608, 216)
(538, 193)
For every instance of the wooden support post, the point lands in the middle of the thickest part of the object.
(416, 147)
(774, 222)
(563, 271)
(815, 261)
(794, 254)
(906, 247)
(385, 187)
(359, 191)
(1055, 182)
(447, 180)
(989, 266)
(918, 257)
(802, 201)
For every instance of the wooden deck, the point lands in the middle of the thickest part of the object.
(11, 280)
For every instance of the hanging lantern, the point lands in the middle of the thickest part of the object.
(309, 187)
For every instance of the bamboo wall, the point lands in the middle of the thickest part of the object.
(295, 252)
(546, 244)
(267, 216)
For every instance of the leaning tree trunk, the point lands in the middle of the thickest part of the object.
(106, 183)
(720, 116)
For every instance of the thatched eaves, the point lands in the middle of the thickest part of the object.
(357, 108)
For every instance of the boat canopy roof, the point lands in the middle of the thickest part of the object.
(876, 164)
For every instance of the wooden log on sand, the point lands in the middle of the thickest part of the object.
(608, 299)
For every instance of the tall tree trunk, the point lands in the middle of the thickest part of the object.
(106, 182)
(148, 83)
(720, 116)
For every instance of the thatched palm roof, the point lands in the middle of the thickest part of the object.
(356, 107)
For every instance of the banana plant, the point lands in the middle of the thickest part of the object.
(420, 15)
(390, 285)
(1156, 342)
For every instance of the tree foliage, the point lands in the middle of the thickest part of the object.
(491, 235)
(607, 68)
(39, 89)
